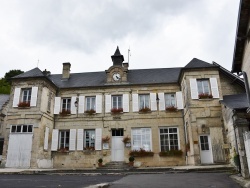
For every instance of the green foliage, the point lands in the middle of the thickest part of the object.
(4, 86)
(11, 73)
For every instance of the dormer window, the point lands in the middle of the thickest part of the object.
(203, 86)
(26, 95)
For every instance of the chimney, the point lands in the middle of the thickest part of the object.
(125, 65)
(66, 70)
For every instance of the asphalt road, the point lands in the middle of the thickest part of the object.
(185, 180)
(62, 181)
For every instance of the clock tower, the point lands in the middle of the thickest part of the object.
(117, 74)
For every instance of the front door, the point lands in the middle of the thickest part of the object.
(19, 150)
(205, 150)
(117, 151)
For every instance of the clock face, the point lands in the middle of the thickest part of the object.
(116, 76)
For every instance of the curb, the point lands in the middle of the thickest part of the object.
(101, 185)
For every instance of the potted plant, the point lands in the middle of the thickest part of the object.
(23, 104)
(100, 162)
(205, 96)
(131, 161)
(105, 139)
(65, 112)
(141, 153)
(116, 110)
(171, 109)
(126, 140)
(90, 112)
(145, 110)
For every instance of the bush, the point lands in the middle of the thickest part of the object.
(131, 159)
(100, 160)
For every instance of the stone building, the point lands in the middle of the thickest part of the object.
(170, 116)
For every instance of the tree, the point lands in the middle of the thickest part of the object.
(12, 73)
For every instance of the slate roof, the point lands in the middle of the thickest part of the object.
(235, 102)
(36, 72)
(3, 99)
(197, 63)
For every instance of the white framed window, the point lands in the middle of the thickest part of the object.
(170, 99)
(21, 129)
(26, 95)
(203, 86)
(90, 103)
(117, 101)
(89, 139)
(64, 139)
(66, 104)
(144, 101)
(169, 139)
(141, 139)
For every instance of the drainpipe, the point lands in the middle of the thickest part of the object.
(185, 136)
(236, 143)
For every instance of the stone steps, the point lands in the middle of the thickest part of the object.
(115, 166)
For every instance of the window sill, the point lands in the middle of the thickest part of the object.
(24, 107)
(89, 114)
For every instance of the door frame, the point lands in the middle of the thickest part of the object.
(211, 160)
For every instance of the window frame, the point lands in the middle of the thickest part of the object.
(26, 97)
(116, 102)
(146, 100)
(92, 103)
(67, 104)
(201, 90)
(135, 133)
(168, 102)
(20, 129)
(91, 144)
(65, 141)
(169, 145)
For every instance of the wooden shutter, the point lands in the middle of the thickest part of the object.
(46, 138)
(98, 103)
(153, 102)
(33, 96)
(81, 104)
(214, 87)
(54, 144)
(16, 98)
(72, 139)
(179, 100)
(98, 139)
(107, 103)
(79, 146)
(125, 100)
(161, 101)
(72, 105)
(194, 89)
(135, 102)
(57, 105)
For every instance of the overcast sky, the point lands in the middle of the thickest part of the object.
(160, 33)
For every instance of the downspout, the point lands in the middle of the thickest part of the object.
(236, 143)
(185, 136)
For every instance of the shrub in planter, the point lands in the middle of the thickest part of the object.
(116, 110)
(23, 104)
(141, 153)
(171, 153)
(100, 162)
(90, 112)
(145, 110)
(205, 96)
(171, 108)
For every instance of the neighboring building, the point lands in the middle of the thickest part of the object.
(236, 107)
(3, 111)
(62, 120)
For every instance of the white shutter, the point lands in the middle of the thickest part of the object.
(153, 105)
(57, 105)
(98, 104)
(161, 101)
(214, 87)
(125, 100)
(194, 88)
(79, 146)
(135, 102)
(54, 144)
(33, 96)
(72, 105)
(98, 139)
(72, 139)
(179, 100)
(46, 138)
(81, 104)
(16, 98)
(107, 103)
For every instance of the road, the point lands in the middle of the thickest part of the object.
(187, 180)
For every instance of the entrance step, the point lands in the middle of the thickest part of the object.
(115, 165)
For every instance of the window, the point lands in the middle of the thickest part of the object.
(143, 101)
(141, 139)
(170, 99)
(64, 140)
(26, 95)
(21, 129)
(90, 103)
(117, 132)
(203, 87)
(66, 102)
(117, 101)
(169, 139)
(89, 139)
(204, 143)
